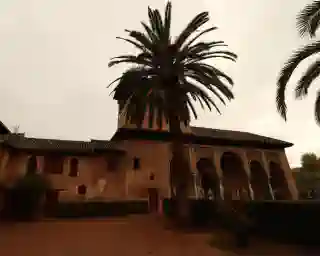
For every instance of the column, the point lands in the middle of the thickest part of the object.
(267, 170)
(216, 162)
(288, 175)
(244, 158)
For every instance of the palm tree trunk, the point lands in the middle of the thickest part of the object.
(180, 171)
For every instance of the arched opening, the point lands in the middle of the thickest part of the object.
(209, 180)
(82, 189)
(32, 165)
(74, 164)
(235, 179)
(259, 181)
(279, 182)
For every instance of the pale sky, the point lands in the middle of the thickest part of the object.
(54, 66)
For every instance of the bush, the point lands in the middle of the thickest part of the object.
(98, 209)
(23, 200)
(202, 212)
(292, 221)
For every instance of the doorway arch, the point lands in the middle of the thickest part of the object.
(209, 179)
(32, 165)
(259, 181)
(235, 179)
(278, 182)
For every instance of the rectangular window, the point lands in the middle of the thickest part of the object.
(136, 163)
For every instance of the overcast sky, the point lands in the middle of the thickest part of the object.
(54, 73)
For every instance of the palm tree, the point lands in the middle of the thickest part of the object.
(308, 22)
(166, 77)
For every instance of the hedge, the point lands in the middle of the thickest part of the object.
(290, 221)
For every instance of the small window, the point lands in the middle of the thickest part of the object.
(82, 189)
(74, 163)
(136, 163)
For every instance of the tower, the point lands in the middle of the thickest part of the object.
(123, 123)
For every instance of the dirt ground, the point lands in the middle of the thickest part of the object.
(136, 235)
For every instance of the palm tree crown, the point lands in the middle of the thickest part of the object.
(167, 75)
(308, 21)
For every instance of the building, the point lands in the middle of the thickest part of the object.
(135, 164)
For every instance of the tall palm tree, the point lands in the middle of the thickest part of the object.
(308, 22)
(166, 77)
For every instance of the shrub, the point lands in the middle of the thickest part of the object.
(292, 221)
(23, 200)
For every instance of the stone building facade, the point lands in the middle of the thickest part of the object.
(135, 164)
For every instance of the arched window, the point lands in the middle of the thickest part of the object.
(74, 166)
(82, 189)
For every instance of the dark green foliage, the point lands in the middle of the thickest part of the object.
(166, 77)
(98, 209)
(23, 201)
(290, 221)
(169, 75)
(308, 21)
(202, 212)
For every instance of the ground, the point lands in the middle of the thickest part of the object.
(136, 235)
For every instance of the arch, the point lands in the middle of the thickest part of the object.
(74, 166)
(234, 177)
(209, 179)
(259, 181)
(32, 165)
(278, 182)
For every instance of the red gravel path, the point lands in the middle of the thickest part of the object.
(134, 236)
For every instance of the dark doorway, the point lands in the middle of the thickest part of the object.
(153, 197)
(235, 178)
(259, 181)
(279, 182)
(208, 178)
(32, 165)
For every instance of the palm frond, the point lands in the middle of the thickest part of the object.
(167, 21)
(139, 46)
(152, 35)
(199, 35)
(308, 19)
(305, 81)
(287, 71)
(130, 60)
(195, 24)
(141, 38)
(317, 108)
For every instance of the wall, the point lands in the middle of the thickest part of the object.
(154, 158)
(91, 169)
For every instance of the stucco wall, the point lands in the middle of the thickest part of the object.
(154, 159)
(127, 183)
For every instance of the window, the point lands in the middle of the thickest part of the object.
(82, 189)
(136, 163)
(74, 163)
(32, 165)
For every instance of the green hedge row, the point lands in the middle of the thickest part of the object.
(291, 221)
(97, 209)
(202, 212)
